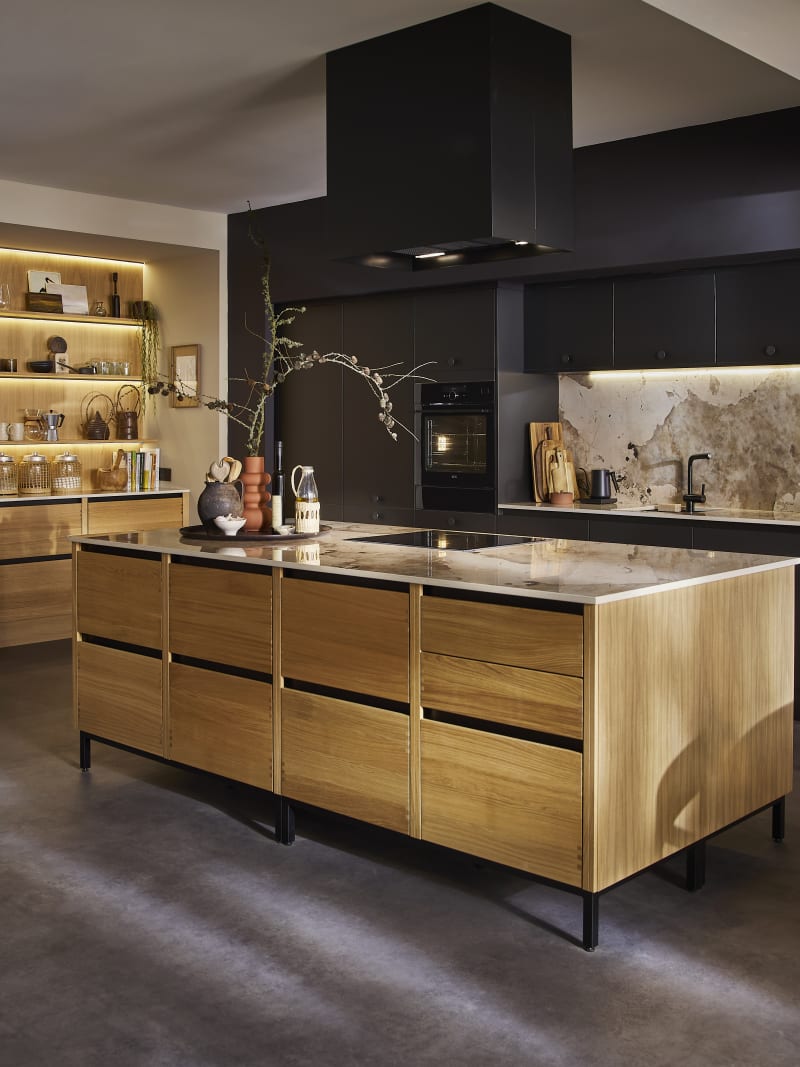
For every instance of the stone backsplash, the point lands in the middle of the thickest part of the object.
(645, 426)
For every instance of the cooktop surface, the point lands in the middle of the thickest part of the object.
(456, 540)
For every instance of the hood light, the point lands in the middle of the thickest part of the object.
(428, 255)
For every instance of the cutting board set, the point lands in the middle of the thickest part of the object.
(553, 467)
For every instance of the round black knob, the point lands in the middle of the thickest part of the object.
(451, 362)
(377, 499)
(377, 515)
(566, 358)
(451, 521)
(661, 354)
(770, 350)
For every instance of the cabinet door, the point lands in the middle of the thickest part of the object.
(378, 472)
(664, 533)
(758, 314)
(347, 757)
(35, 602)
(119, 597)
(478, 521)
(310, 408)
(119, 697)
(38, 529)
(455, 329)
(569, 327)
(572, 526)
(134, 513)
(512, 801)
(664, 322)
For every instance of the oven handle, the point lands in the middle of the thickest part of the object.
(468, 409)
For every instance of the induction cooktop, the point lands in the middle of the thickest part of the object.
(455, 540)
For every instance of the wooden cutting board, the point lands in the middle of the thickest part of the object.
(541, 433)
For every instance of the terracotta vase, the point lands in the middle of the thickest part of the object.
(257, 512)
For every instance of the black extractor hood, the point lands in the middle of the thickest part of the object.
(450, 142)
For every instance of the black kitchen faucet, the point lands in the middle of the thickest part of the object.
(690, 498)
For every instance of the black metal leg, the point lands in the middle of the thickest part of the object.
(284, 821)
(696, 866)
(779, 819)
(591, 920)
(85, 744)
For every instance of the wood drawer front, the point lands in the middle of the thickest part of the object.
(533, 700)
(38, 530)
(345, 757)
(221, 723)
(119, 597)
(35, 602)
(514, 802)
(344, 636)
(136, 513)
(119, 697)
(221, 615)
(521, 637)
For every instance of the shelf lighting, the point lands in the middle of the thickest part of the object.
(70, 255)
(428, 255)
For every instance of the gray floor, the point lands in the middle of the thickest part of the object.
(149, 918)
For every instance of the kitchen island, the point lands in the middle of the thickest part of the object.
(576, 711)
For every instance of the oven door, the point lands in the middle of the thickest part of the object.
(457, 448)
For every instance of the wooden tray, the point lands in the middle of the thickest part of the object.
(200, 533)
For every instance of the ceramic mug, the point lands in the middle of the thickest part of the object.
(3, 431)
(16, 431)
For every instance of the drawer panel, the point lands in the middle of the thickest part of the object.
(221, 615)
(119, 697)
(533, 700)
(135, 513)
(119, 597)
(346, 757)
(38, 529)
(221, 723)
(497, 633)
(35, 602)
(514, 802)
(345, 636)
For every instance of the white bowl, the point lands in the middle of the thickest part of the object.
(229, 524)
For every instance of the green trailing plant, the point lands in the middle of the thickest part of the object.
(146, 315)
(282, 356)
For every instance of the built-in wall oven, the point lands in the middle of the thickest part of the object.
(456, 452)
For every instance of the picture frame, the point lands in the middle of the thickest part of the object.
(185, 374)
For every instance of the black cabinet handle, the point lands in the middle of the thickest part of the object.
(451, 362)
(566, 358)
(377, 499)
(770, 350)
(661, 354)
(451, 521)
(377, 515)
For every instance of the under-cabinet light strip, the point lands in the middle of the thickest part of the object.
(71, 255)
(689, 372)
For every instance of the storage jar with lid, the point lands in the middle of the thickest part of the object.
(67, 473)
(8, 475)
(33, 477)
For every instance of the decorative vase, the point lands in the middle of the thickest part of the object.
(219, 498)
(257, 512)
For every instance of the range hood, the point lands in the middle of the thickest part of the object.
(450, 142)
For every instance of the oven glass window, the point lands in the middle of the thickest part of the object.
(455, 444)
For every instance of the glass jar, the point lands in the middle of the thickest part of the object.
(33, 476)
(67, 473)
(8, 475)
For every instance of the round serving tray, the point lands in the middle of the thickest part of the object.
(200, 533)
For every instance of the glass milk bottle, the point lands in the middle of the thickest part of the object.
(306, 503)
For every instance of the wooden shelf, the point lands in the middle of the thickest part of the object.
(87, 379)
(112, 442)
(43, 316)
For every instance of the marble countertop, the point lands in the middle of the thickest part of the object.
(166, 488)
(541, 568)
(649, 511)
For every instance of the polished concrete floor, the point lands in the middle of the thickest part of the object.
(148, 917)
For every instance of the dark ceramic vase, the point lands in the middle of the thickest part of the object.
(219, 498)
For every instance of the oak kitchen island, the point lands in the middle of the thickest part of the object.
(573, 710)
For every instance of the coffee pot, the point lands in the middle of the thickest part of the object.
(601, 481)
(51, 422)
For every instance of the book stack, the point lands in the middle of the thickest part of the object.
(141, 466)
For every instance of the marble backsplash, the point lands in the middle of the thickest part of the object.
(645, 427)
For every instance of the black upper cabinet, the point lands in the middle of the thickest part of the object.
(310, 408)
(664, 322)
(569, 327)
(758, 314)
(455, 330)
(379, 472)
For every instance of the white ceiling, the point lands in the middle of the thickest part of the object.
(206, 105)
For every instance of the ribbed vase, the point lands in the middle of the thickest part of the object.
(257, 512)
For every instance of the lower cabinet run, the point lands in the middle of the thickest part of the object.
(577, 742)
